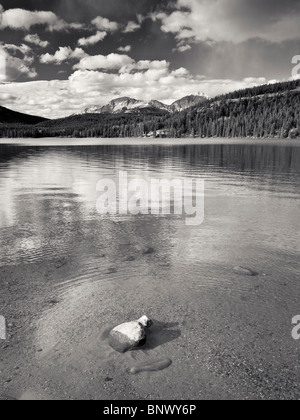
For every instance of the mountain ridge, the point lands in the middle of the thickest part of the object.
(127, 105)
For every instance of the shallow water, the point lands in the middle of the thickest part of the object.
(109, 269)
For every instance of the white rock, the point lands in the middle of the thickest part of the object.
(129, 335)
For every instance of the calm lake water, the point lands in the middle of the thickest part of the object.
(226, 333)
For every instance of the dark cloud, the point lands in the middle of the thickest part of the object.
(85, 11)
(262, 10)
(253, 58)
(119, 10)
(257, 13)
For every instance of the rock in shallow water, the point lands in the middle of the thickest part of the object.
(148, 251)
(130, 335)
(245, 271)
(151, 366)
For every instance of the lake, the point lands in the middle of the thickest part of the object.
(69, 274)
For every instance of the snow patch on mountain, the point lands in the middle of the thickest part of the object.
(129, 105)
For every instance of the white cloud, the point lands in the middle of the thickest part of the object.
(101, 62)
(160, 83)
(141, 18)
(103, 24)
(25, 19)
(119, 62)
(35, 40)
(24, 49)
(126, 49)
(14, 67)
(151, 65)
(143, 80)
(92, 40)
(2, 67)
(39, 97)
(228, 20)
(132, 27)
(61, 55)
(257, 80)
(183, 48)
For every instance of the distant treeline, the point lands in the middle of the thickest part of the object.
(264, 111)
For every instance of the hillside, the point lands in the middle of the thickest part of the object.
(263, 111)
(7, 116)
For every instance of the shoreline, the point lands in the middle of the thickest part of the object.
(65, 142)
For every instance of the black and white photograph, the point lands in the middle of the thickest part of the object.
(149, 203)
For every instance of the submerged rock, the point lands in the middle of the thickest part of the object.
(130, 335)
(112, 270)
(245, 271)
(130, 259)
(151, 366)
(148, 251)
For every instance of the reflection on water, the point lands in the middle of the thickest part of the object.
(48, 198)
(48, 209)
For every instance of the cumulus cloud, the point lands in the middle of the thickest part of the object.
(35, 40)
(50, 98)
(24, 49)
(109, 62)
(92, 40)
(183, 48)
(126, 49)
(132, 27)
(61, 55)
(93, 83)
(2, 68)
(154, 83)
(232, 20)
(121, 63)
(12, 67)
(104, 24)
(151, 65)
(25, 19)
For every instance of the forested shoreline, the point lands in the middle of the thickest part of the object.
(262, 112)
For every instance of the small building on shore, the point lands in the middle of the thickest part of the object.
(158, 134)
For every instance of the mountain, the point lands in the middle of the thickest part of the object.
(133, 106)
(128, 106)
(269, 111)
(188, 102)
(7, 116)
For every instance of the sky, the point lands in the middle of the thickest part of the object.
(62, 56)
